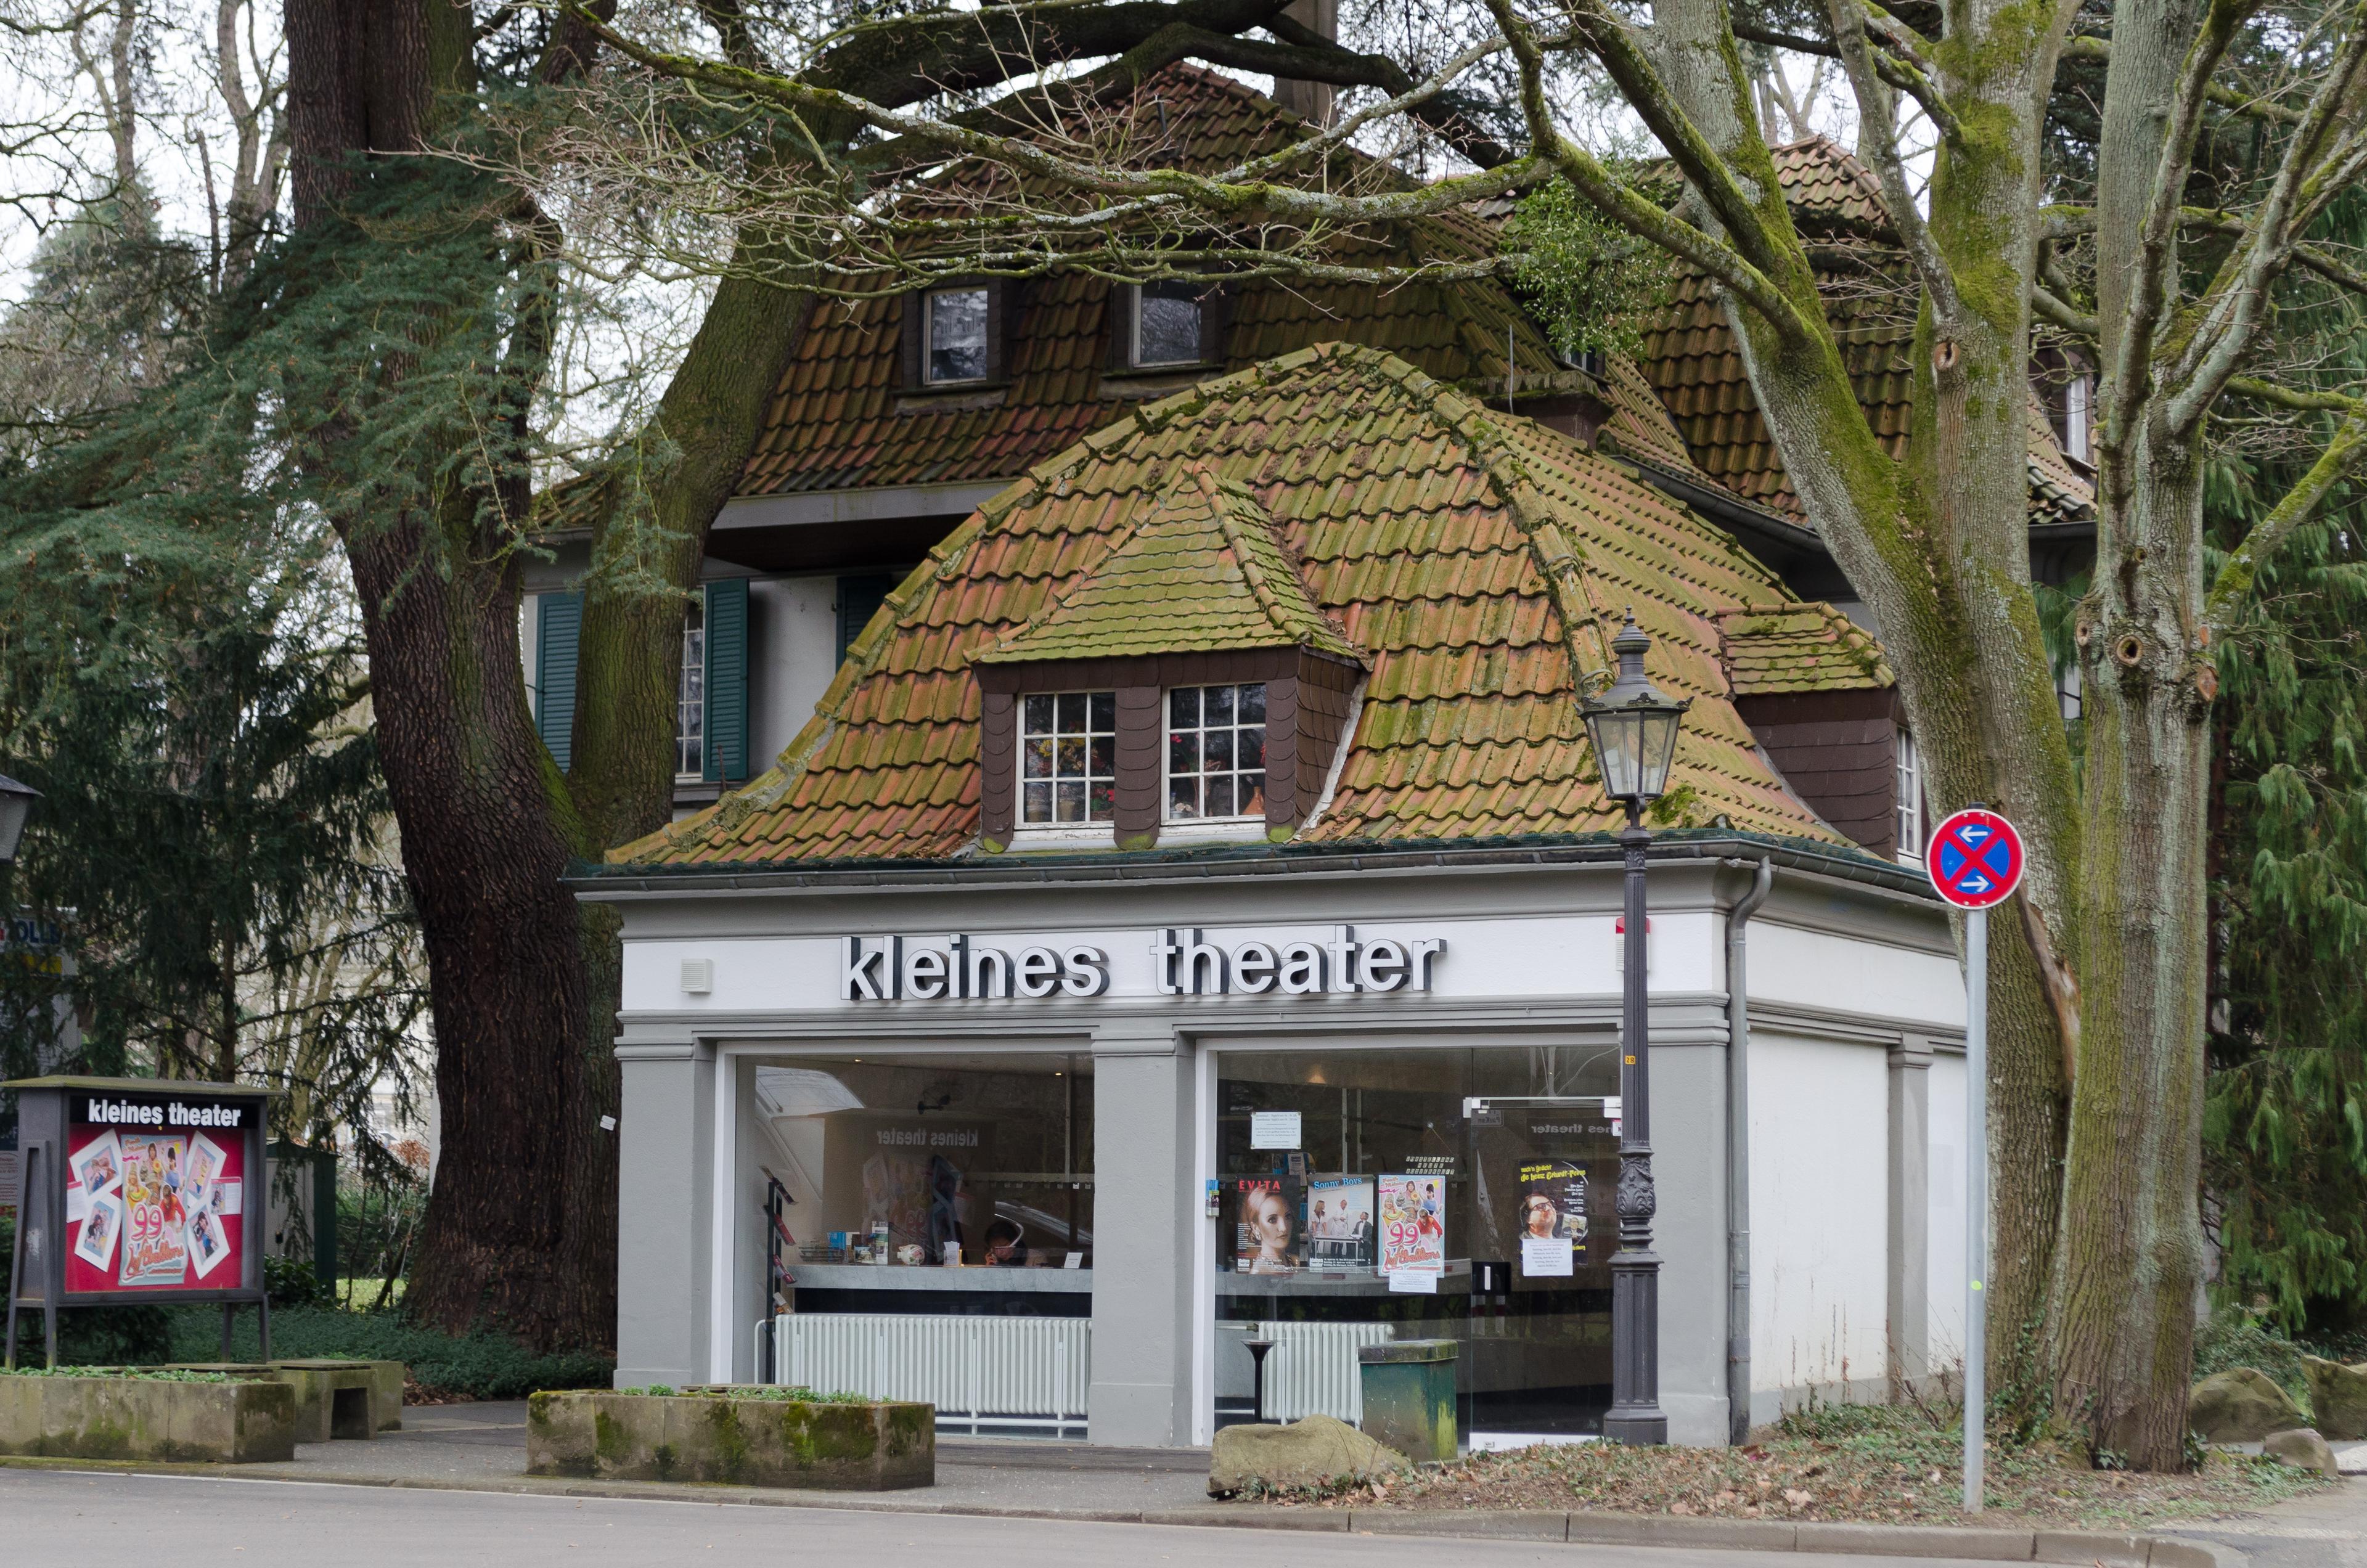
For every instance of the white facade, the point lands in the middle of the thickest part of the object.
(1856, 1011)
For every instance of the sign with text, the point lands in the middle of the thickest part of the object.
(1183, 961)
(155, 1193)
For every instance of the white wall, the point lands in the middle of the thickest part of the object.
(1820, 1206)
(1945, 1241)
(795, 659)
(1817, 969)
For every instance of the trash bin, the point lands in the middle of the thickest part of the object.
(1409, 1388)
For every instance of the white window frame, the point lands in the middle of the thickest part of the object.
(929, 333)
(1171, 826)
(690, 755)
(1908, 807)
(2075, 417)
(1134, 335)
(1095, 828)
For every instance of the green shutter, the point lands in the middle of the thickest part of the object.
(556, 634)
(726, 681)
(859, 599)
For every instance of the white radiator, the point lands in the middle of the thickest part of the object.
(978, 1372)
(1311, 1370)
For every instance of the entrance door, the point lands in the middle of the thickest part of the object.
(1546, 1177)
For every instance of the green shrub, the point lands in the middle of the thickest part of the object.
(290, 1283)
(2236, 1336)
(478, 1366)
(92, 1335)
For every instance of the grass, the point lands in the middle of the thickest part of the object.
(776, 1394)
(1880, 1465)
(137, 1374)
(442, 1367)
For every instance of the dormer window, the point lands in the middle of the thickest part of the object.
(1067, 758)
(1167, 324)
(955, 323)
(1216, 752)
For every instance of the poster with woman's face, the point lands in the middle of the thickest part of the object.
(1267, 1230)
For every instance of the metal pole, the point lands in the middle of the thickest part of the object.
(1976, 1198)
(1636, 1417)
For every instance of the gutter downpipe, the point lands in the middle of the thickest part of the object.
(1737, 1152)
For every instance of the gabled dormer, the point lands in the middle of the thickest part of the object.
(1187, 688)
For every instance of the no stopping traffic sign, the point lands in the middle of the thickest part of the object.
(1975, 858)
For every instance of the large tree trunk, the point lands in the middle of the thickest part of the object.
(485, 823)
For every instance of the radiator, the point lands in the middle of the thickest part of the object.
(978, 1372)
(1311, 1370)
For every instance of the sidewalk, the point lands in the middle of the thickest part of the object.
(482, 1447)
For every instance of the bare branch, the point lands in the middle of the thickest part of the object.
(1880, 145)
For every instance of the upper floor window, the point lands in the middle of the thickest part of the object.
(690, 698)
(2075, 418)
(956, 325)
(1167, 324)
(1068, 757)
(1216, 752)
(1910, 797)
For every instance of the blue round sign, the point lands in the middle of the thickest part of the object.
(1975, 858)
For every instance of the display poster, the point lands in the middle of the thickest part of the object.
(1552, 1226)
(904, 1182)
(1275, 1129)
(151, 1209)
(1341, 1230)
(1414, 1224)
(1267, 1234)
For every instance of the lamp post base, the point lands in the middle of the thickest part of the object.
(1635, 1417)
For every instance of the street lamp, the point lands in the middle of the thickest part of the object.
(16, 805)
(1633, 729)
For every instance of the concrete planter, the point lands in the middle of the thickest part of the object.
(245, 1422)
(741, 1441)
(335, 1399)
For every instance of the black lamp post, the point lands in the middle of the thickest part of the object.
(1633, 729)
(16, 805)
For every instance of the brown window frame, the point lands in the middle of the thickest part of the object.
(912, 335)
(1308, 699)
(1125, 316)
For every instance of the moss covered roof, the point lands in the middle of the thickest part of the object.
(1770, 650)
(1199, 570)
(1480, 562)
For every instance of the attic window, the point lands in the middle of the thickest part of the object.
(1166, 325)
(956, 326)
(1067, 758)
(1909, 797)
(1216, 752)
(690, 700)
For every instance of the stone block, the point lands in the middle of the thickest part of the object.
(1916, 1541)
(245, 1421)
(1317, 1452)
(2303, 1448)
(874, 1446)
(2241, 1405)
(2338, 1399)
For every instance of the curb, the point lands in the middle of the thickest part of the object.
(2100, 1549)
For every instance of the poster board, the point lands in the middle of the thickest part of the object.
(137, 1189)
(1413, 1224)
(1269, 1224)
(1552, 1222)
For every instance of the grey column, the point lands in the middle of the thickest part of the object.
(1910, 1208)
(1145, 1229)
(1689, 1232)
(664, 1211)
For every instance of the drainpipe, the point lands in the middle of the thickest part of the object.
(1737, 1154)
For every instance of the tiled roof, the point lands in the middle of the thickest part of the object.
(1480, 562)
(1690, 356)
(1199, 570)
(838, 421)
(1769, 649)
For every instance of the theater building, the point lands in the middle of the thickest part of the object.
(1189, 917)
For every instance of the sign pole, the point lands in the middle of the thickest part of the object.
(1975, 861)
(1976, 1205)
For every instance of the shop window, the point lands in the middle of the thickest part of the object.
(1487, 1176)
(690, 699)
(1216, 752)
(1909, 797)
(1067, 758)
(955, 322)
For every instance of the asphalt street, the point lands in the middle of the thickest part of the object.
(62, 1517)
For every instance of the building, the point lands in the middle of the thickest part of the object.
(1202, 844)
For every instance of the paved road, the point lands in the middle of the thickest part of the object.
(59, 1517)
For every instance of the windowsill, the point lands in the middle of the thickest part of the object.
(1221, 830)
(1074, 836)
(696, 792)
(952, 397)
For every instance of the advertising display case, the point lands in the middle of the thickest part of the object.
(138, 1189)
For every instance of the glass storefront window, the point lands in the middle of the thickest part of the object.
(1487, 1175)
(922, 1160)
